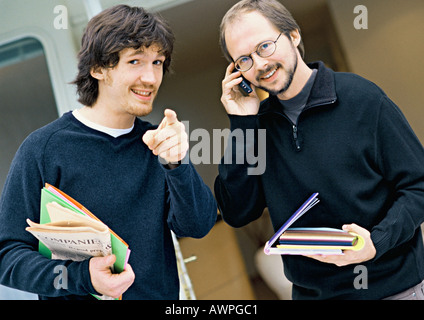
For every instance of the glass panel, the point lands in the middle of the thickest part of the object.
(26, 96)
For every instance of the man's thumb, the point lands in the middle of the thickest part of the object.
(148, 137)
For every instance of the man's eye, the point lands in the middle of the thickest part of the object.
(133, 62)
(158, 62)
(265, 46)
(244, 60)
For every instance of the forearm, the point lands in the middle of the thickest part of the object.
(238, 188)
(400, 158)
(192, 207)
(21, 265)
(25, 269)
(401, 222)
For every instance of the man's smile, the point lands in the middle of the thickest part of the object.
(142, 93)
(270, 74)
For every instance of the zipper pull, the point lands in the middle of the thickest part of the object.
(296, 141)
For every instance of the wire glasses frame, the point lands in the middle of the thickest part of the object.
(263, 50)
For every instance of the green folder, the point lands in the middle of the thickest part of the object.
(51, 194)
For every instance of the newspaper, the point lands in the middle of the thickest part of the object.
(71, 235)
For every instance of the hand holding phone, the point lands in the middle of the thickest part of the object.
(244, 85)
(238, 98)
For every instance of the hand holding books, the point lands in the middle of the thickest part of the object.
(69, 231)
(367, 251)
(108, 283)
(353, 244)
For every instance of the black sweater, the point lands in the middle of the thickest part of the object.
(123, 184)
(351, 144)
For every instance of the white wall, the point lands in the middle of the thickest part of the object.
(389, 52)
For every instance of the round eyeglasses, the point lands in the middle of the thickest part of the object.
(264, 49)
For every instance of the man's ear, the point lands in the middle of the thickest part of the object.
(295, 37)
(98, 73)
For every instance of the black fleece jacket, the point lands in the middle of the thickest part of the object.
(351, 144)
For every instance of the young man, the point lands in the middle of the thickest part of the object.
(133, 176)
(333, 133)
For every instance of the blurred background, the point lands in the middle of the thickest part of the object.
(39, 41)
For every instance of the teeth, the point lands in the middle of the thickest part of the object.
(142, 93)
(270, 74)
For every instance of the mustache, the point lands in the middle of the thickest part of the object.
(270, 68)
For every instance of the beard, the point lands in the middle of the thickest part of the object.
(286, 85)
(140, 110)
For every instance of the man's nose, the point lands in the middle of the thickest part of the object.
(259, 62)
(148, 75)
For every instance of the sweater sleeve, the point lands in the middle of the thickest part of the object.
(192, 207)
(21, 265)
(400, 156)
(238, 187)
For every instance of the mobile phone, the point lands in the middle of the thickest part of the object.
(244, 86)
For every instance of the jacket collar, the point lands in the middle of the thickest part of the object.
(323, 91)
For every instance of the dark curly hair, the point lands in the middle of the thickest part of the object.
(111, 31)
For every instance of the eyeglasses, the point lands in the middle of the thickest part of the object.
(264, 49)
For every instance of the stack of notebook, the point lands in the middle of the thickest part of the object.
(310, 241)
(317, 240)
